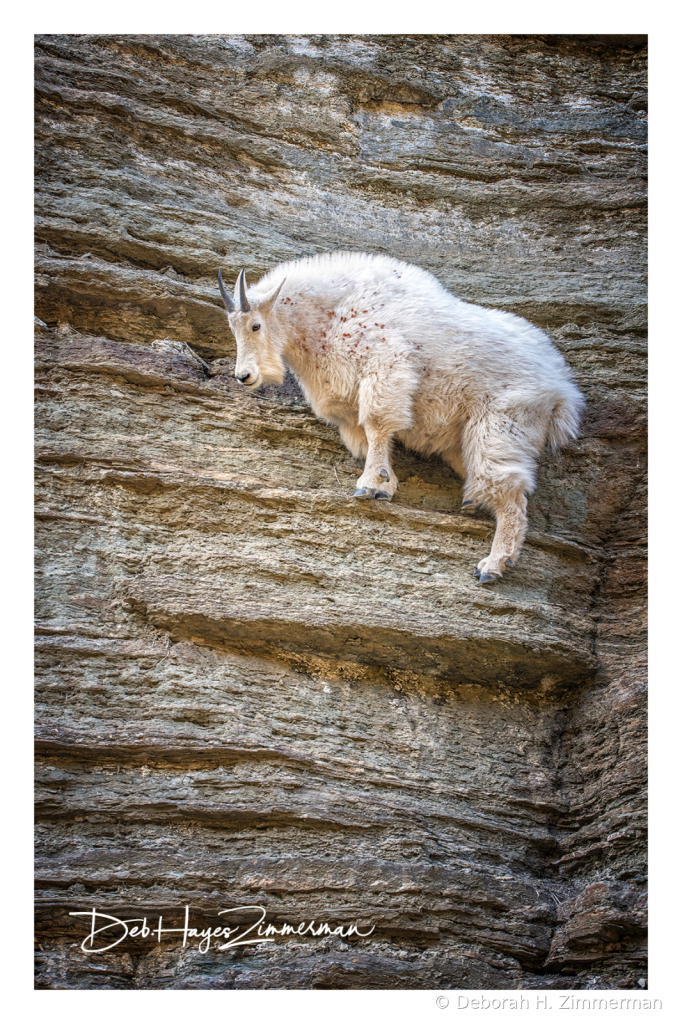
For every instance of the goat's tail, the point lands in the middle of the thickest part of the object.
(564, 423)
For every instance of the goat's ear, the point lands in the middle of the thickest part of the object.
(266, 304)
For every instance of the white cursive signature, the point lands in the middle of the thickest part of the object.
(137, 927)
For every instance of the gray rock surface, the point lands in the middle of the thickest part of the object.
(251, 689)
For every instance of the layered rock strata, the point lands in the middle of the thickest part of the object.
(251, 689)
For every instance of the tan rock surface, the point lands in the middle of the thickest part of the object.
(252, 689)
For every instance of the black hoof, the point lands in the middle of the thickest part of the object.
(509, 563)
(382, 496)
(364, 492)
(477, 572)
(487, 577)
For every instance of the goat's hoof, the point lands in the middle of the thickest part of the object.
(364, 492)
(468, 508)
(384, 474)
(476, 572)
(382, 496)
(509, 563)
(488, 577)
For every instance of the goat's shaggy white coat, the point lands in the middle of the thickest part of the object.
(382, 350)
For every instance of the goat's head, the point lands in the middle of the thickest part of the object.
(259, 358)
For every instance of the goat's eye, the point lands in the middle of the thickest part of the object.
(256, 327)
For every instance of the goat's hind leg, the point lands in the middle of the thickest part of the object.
(510, 512)
(499, 460)
(453, 457)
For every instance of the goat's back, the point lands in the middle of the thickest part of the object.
(498, 353)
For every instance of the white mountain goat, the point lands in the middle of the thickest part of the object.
(382, 350)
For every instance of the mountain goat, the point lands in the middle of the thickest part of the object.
(382, 350)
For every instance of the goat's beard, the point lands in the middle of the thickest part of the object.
(272, 370)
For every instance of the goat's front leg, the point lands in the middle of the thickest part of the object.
(378, 479)
(354, 438)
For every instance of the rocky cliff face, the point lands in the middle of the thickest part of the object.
(251, 689)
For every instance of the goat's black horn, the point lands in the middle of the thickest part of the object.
(243, 301)
(229, 304)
